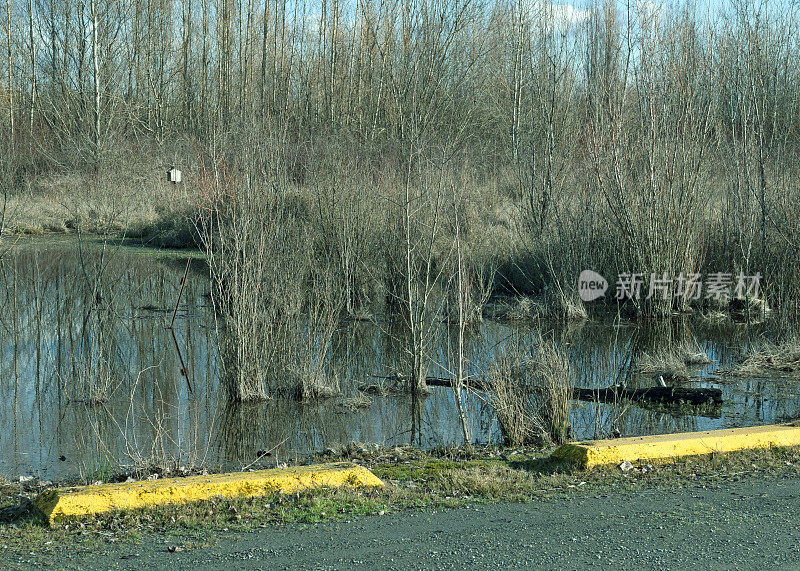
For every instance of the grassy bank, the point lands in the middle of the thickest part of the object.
(532, 271)
(414, 480)
(140, 207)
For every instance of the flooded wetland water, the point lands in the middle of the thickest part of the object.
(94, 382)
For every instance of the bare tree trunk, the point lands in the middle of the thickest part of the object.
(10, 73)
(417, 378)
(188, 93)
(32, 54)
(204, 67)
(462, 286)
(516, 109)
(96, 77)
(225, 56)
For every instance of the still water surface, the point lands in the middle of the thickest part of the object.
(80, 322)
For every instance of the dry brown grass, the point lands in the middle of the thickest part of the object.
(770, 358)
(695, 358)
(668, 364)
(552, 305)
(531, 393)
(134, 204)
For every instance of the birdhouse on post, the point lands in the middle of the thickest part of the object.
(173, 175)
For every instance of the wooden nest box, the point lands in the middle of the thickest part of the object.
(174, 175)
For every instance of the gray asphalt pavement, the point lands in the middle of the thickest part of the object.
(750, 524)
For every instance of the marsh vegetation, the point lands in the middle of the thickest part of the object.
(421, 183)
(96, 383)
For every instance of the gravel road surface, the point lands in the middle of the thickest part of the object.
(749, 524)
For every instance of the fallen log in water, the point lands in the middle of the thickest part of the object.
(470, 383)
(664, 395)
(397, 384)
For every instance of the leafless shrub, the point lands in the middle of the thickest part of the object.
(648, 143)
(277, 308)
(510, 403)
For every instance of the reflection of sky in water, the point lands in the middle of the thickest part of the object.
(58, 339)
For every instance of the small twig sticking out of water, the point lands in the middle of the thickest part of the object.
(180, 293)
(265, 453)
(184, 370)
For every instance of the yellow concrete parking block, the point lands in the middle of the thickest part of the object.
(614, 451)
(58, 505)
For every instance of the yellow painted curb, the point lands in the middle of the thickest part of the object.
(58, 505)
(600, 452)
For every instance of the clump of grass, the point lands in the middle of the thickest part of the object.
(767, 357)
(668, 364)
(317, 384)
(554, 386)
(377, 389)
(519, 309)
(357, 402)
(573, 310)
(484, 480)
(552, 305)
(694, 358)
(563, 306)
(713, 315)
(532, 394)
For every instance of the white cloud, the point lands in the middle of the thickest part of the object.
(566, 15)
(313, 23)
(562, 16)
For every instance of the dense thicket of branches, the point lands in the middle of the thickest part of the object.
(628, 138)
(505, 78)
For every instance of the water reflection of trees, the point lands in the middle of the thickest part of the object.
(82, 335)
(75, 319)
